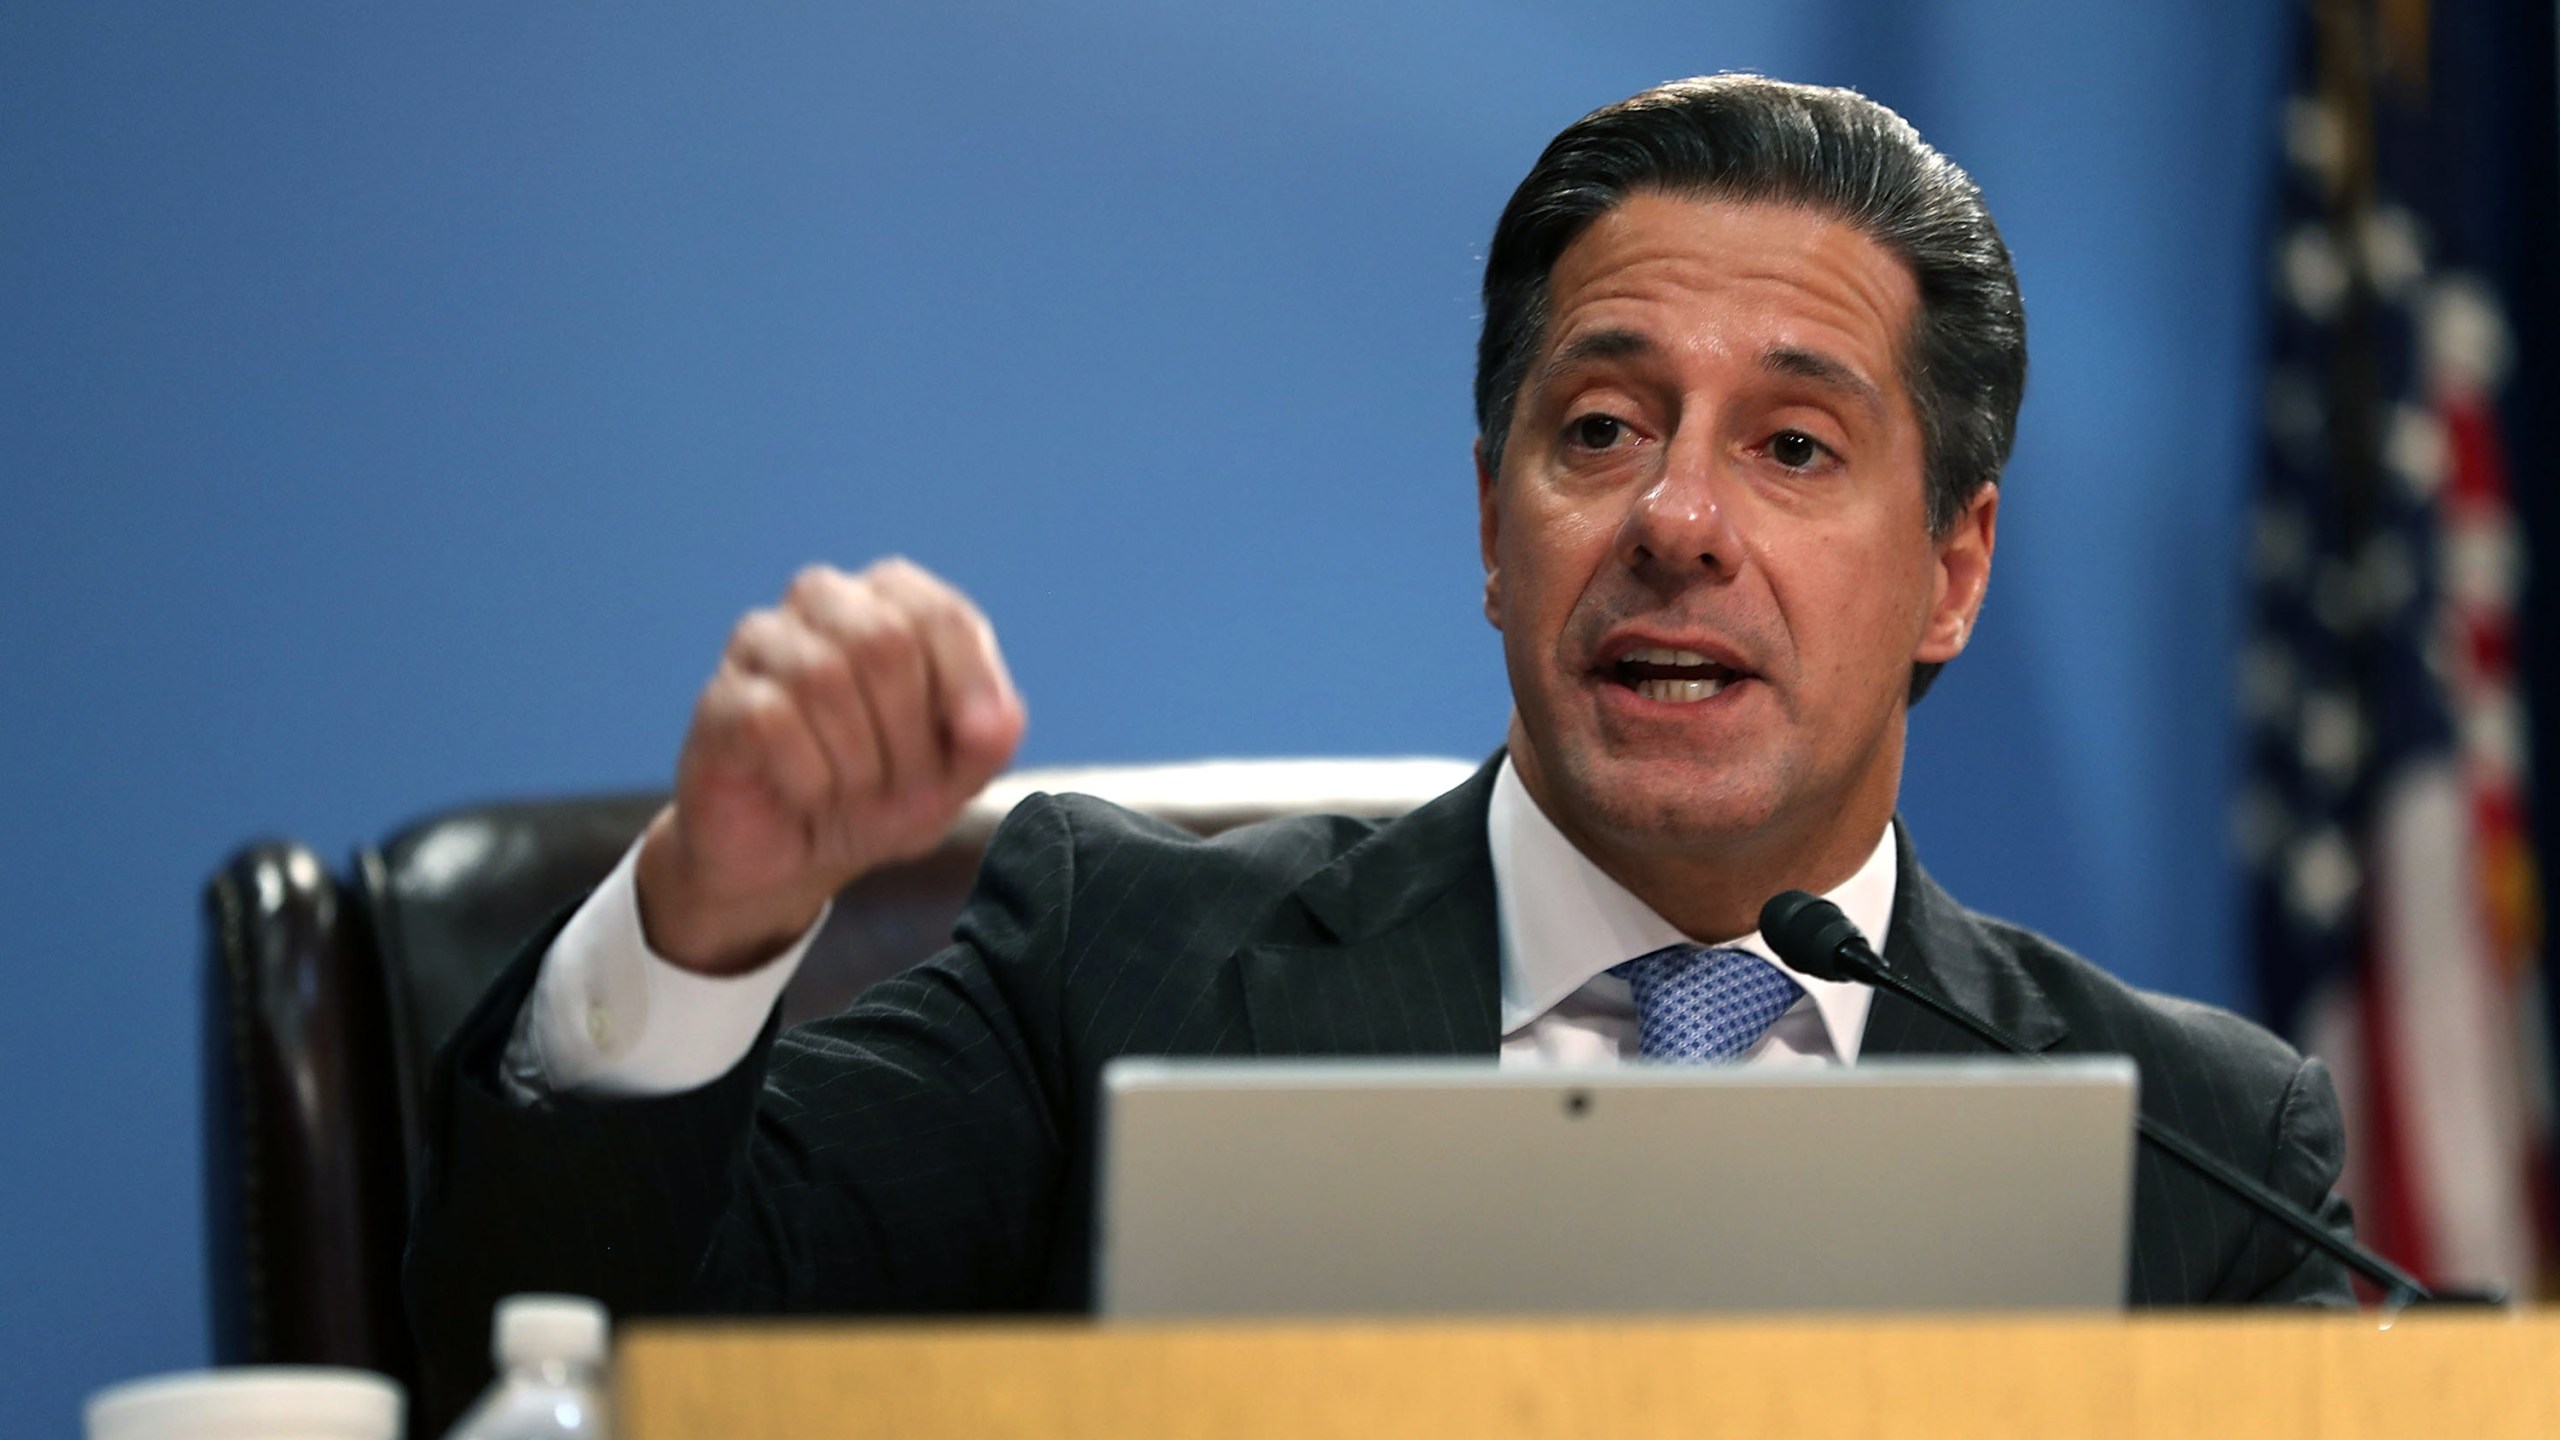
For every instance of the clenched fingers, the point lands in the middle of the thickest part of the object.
(749, 724)
(943, 704)
(811, 675)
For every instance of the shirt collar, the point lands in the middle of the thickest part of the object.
(1564, 921)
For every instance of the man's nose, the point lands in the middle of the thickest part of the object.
(1682, 520)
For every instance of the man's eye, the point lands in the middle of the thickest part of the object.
(1597, 432)
(1795, 449)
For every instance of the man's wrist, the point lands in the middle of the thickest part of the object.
(706, 935)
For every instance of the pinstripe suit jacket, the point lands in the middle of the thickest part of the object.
(928, 1150)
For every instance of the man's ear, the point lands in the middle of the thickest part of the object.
(1488, 533)
(1963, 574)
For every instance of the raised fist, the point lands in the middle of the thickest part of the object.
(844, 729)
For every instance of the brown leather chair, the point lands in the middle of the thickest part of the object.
(327, 995)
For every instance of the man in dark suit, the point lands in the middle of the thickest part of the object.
(1751, 364)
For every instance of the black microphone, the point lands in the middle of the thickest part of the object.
(1814, 938)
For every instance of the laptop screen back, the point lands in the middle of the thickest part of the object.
(1454, 1187)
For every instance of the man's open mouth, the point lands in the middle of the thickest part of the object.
(1673, 677)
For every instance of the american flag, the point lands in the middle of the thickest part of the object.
(2384, 813)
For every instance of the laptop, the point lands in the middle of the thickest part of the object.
(1351, 1188)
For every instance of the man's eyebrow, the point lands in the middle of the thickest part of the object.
(1596, 345)
(1825, 371)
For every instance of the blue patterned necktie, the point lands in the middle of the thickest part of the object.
(1696, 1004)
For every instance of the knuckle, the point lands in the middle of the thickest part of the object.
(821, 674)
(910, 584)
(946, 616)
(763, 709)
(813, 584)
(716, 710)
(886, 646)
(970, 635)
(753, 632)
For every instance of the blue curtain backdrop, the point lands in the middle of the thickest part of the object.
(398, 403)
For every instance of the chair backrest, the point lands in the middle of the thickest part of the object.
(327, 996)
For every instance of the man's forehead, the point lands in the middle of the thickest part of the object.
(1801, 292)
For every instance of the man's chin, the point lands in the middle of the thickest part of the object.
(1669, 803)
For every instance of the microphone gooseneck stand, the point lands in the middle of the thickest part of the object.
(1812, 935)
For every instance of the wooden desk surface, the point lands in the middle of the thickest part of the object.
(2263, 1375)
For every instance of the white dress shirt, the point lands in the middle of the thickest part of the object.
(610, 1017)
(1564, 922)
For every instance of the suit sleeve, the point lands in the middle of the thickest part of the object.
(902, 1156)
(2274, 1265)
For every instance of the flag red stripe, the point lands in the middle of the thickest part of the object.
(2395, 1227)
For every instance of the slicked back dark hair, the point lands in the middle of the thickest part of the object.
(1834, 152)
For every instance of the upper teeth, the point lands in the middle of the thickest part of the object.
(1656, 655)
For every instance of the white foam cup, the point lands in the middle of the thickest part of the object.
(250, 1402)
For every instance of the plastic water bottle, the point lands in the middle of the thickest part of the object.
(550, 1351)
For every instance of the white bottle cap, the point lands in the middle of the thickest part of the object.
(535, 1328)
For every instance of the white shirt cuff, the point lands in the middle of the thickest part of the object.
(609, 1016)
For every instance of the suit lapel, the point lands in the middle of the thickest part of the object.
(1390, 950)
(1934, 939)
(1393, 950)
